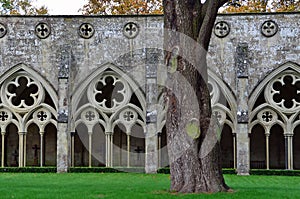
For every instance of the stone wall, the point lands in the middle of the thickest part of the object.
(68, 50)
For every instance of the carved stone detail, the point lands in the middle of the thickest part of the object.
(221, 29)
(89, 116)
(276, 92)
(109, 92)
(5, 116)
(42, 30)
(3, 30)
(22, 92)
(268, 117)
(269, 28)
(42, 116)
(86, 30)
(131, 30)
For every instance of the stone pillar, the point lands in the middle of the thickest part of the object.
(90, 148)
(41, 148)
(151, 160)
(107, 149)
(288, 152)
(267, 151)
(63, 112)
(234, 150)
(21, 149)
(128, 150)
(72, 149)
(159, 149)
(243, 147)
(3, 149)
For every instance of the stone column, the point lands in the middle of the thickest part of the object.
(90, 148)
(267, 150)
(41, 148)
(107, 149)
(111, 141)
(243, 147)
(128, 150)
(72, 149)
(3, 149)
(288, 152)
(159, 149)
(151, 160)
(286, 149)
(24, 149)
(63, 112)
(21, 149)
(234, 150)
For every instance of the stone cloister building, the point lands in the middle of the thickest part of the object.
(86, 91)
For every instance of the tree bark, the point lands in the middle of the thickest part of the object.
(192, 133)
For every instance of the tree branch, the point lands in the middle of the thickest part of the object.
(222, 2)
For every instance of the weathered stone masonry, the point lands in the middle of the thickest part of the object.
(85, 91)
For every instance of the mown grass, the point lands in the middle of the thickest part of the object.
(129, 185)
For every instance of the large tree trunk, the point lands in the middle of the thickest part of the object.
(192, 134)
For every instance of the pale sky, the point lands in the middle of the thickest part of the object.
(62, 7)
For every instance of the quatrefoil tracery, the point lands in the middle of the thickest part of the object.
(42, 116)
(42, 30)
(90, 116)
(128, 116)
(5, 116)
(267, 117)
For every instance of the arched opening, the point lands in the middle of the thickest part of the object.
(11, 146)
(50, 145)
(33, 146)
(296, 149)
(227, 147)
(120, 146)
(81, 141)
(257, 148)
(277, 148)
(98, 146)
(137, 146)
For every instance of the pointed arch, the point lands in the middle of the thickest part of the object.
(230, 98)
(32, 73)
(261, 85)
(78, 92)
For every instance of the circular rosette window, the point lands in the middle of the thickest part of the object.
(284, 92)
(109, 92)
(42, 116)
(5, 116)
(22, 92)
(128, 116)
(267, 117)
(90, 116)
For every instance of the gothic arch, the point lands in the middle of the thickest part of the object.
(32, 73)
(223, 101)
(108, 97)
(275, 104)
(78, 92)
(260, 87)
(26, 99)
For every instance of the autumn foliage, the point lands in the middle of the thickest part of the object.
(121, 7)
(21, 7)
(256, 6)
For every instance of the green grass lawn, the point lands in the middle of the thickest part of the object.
(129, 185)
